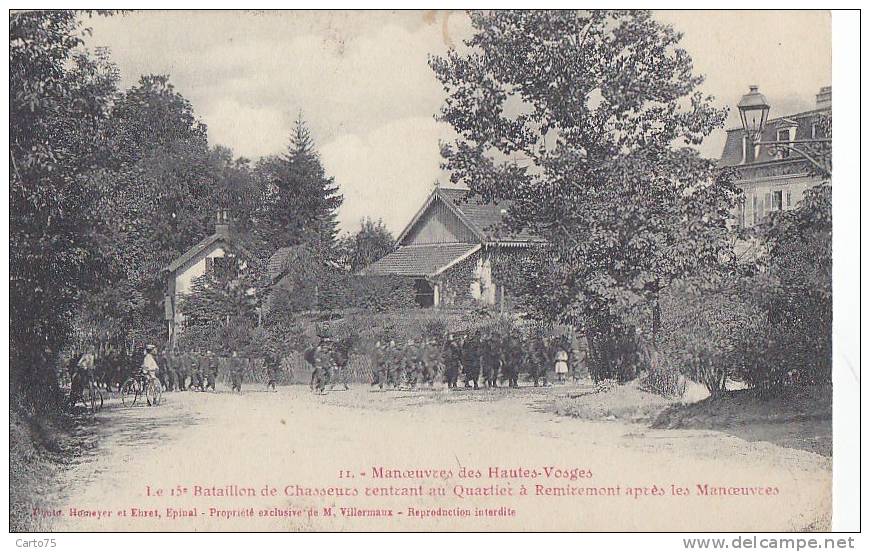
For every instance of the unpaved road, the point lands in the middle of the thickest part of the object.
(273, 442)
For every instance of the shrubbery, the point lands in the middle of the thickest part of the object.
(664, 376)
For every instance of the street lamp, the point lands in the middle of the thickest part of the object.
(754, 110)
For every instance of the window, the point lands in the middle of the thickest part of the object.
(788, 198)
(783, 135)
(777, 201)
(814, 132)
(755, 209)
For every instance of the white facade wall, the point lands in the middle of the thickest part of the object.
(184, 278)
(763, 195)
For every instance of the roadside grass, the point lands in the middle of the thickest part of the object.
(39, 452)
(799, 417)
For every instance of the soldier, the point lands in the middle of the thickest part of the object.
(237, 368)
(509, 353)
(272, 368)
(430, 361)
(340, 359)
(379, 358)
(211, 370)
(538, 357)
(489, 359)
(452, 360)
(182, 367)
(202, 368)
(163, 368)
(471, 360)
(314, 356)
(410, 363)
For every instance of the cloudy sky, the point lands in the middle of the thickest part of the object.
(362, 82)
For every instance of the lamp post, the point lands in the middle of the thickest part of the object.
(754, 110)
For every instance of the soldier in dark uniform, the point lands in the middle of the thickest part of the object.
(538, 356)
(410, 363)
(452, 360)
(237, 369)
(471, 359)
(316, 357)
(489, 358)
(182, 368)
(272, 365)
(163, 368)
(430, 361)
(340, 358)
(199, 373)
(509, 355)
(211, 370)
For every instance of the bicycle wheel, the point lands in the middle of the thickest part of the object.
(85, 398)
(153, 393)
(129, 392)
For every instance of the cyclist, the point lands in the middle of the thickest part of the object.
(86, 366)
(149, 364)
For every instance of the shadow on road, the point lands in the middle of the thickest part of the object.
(799, 418)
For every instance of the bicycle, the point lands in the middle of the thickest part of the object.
(88, 394)
(141, 384)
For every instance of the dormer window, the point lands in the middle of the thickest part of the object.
(783, 135)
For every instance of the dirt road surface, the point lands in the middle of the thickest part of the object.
(281, 445)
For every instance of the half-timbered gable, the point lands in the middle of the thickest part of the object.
(449, 247)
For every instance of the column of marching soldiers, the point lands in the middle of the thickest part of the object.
(484, 357)
(481, 358)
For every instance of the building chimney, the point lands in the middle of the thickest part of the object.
(823, 98)
(222, 224)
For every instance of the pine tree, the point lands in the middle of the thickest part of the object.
(304, 200)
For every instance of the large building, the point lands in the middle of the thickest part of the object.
(774, 179)
(449, 248)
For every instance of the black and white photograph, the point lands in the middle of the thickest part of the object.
(427, 271)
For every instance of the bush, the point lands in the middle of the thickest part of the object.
(664, 377)
(616, 353)
(368, 292)
(773, 356)
(702, 328)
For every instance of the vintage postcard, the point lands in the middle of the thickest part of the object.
(420, 271)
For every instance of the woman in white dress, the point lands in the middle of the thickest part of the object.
(561, 363)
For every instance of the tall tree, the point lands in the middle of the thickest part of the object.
(59, 98)
(371, 242)
(163, 191)
(304, 201)
(603, 109)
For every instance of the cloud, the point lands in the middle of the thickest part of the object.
(379, 179)
(362, 80)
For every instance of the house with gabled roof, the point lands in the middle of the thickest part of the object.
(449, 248)
(216, 253)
